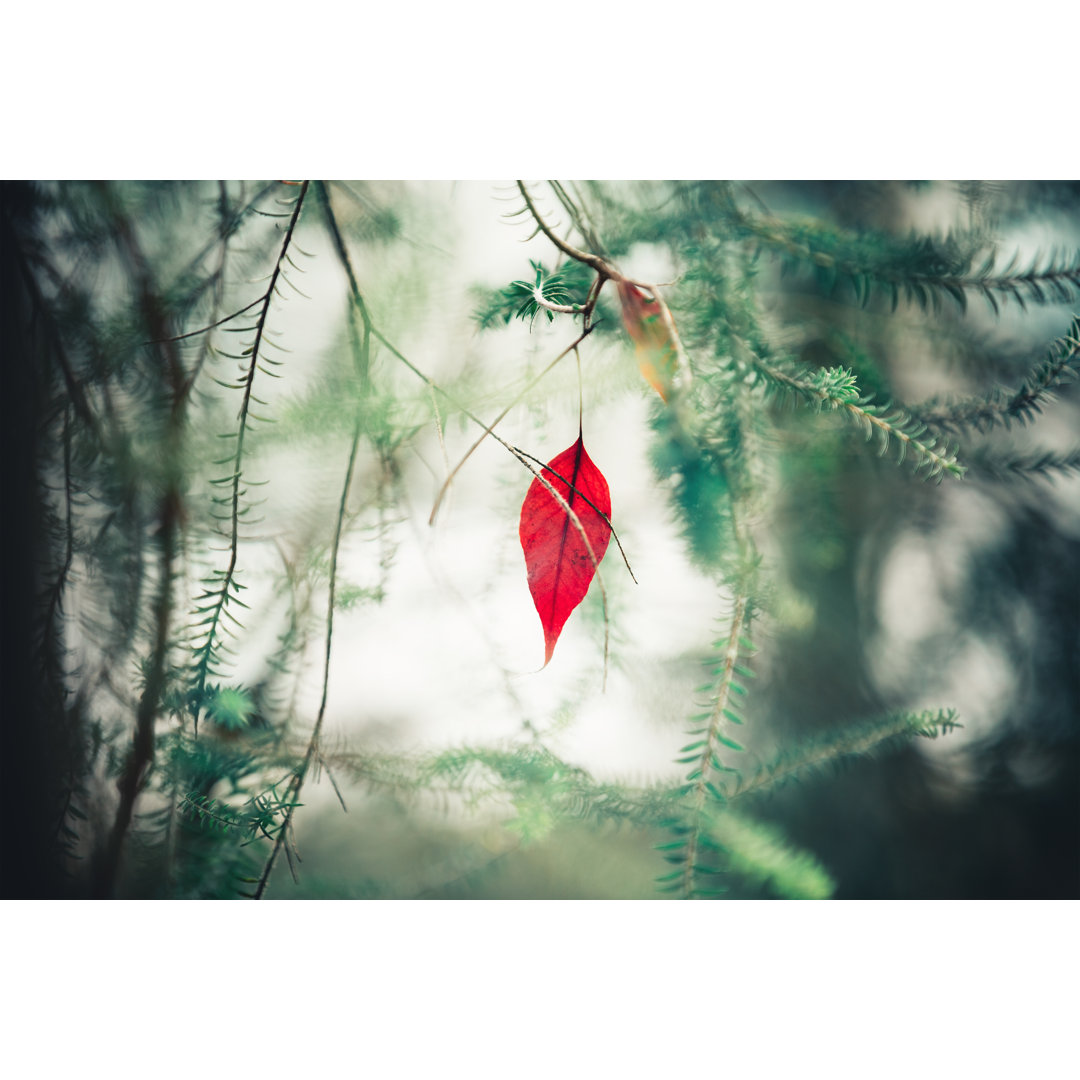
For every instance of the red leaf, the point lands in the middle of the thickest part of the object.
(556, 557)
(657, 350)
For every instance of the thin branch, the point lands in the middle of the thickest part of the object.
(297, 782)
(362, 357)
(575, 215)
(559, 309)
(1003, 408)
(74, 388)
(489, 428)
(850, 742)
(602, 267)
(219, 285)
(220, 322)
(893, 424)
(141, 755)
(597, 263)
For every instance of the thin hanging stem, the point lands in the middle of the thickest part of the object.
(296, 784)
(362, 358)
(580, 405)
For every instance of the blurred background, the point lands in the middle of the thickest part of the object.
(888, 593)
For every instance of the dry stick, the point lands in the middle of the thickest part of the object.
(489, 428)
(600, 265)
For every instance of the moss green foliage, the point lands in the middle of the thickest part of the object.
(194, 715)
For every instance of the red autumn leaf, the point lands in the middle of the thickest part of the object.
(557, 559)
(657, 347)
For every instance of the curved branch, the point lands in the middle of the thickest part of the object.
(597, 263)
(488, 429)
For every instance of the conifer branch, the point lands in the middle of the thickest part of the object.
(921, 269)
(708, 760)
(225, 584)
(262, 299)
(525, 772)
(57, 591)
(75, 391)
(141, 755)
(853, 741)
(761, 853)
(836, 389)
(1030, 466)
(1061, 367)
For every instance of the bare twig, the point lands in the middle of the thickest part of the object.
(489, 428)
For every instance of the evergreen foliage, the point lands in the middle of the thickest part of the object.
(184, 585)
